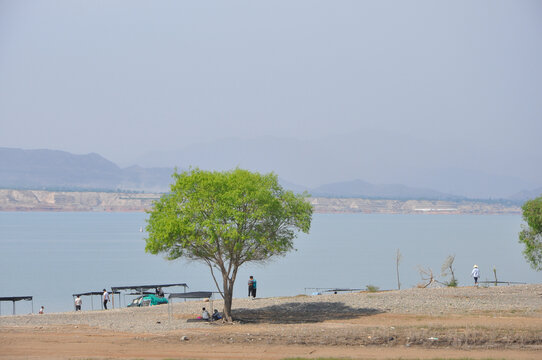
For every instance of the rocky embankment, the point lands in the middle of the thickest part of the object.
(468, 322)
(39, 200)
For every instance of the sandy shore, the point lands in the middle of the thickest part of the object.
(506, 321)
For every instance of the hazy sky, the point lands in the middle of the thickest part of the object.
(123, 78)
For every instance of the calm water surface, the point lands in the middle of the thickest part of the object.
(53, 255)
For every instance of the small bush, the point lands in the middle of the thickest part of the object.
(372, 288)
(452, 283)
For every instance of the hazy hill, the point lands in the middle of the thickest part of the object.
(59, 170)
(359, 188)
(53, 169)
(39, 169)
(378, 157)
(527, 195)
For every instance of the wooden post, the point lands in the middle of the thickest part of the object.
(397, 259)
(169, 310)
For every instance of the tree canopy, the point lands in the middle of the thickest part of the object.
(226, 219)
(531, 235)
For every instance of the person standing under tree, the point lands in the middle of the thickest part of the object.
(252, 287)
(475, 274)
(105, 298)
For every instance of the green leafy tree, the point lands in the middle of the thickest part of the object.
(531, 235)
(226, 219)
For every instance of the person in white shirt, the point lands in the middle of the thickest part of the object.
(105, 298)
(205, 314)
(475, 274)
(78, 303)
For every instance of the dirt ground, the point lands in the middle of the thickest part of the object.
(379, 336)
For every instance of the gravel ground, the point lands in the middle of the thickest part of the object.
(519, 299)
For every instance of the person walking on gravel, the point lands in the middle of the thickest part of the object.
(475, 274)
(252, 287)
(105, 298)
(78, 303)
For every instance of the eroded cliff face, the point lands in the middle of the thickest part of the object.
(375, 206)
(39, 200)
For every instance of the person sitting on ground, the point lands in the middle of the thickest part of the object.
(205, 314)
(42, 310)
(216, 315)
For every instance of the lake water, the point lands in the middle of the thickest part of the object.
(52, 255)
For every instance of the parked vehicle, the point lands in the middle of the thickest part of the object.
(148, 300)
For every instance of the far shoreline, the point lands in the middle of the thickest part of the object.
(93, 201)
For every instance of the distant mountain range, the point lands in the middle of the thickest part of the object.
(526, 195)
(378, 157)
(359, 188)
(59, 170)
(52, 169)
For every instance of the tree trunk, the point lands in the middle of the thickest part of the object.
(228, 296)
(398, 282)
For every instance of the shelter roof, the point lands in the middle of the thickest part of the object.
(191, 295)
(94, 293)
(143, 293)
(15, 298)
(144, 287)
